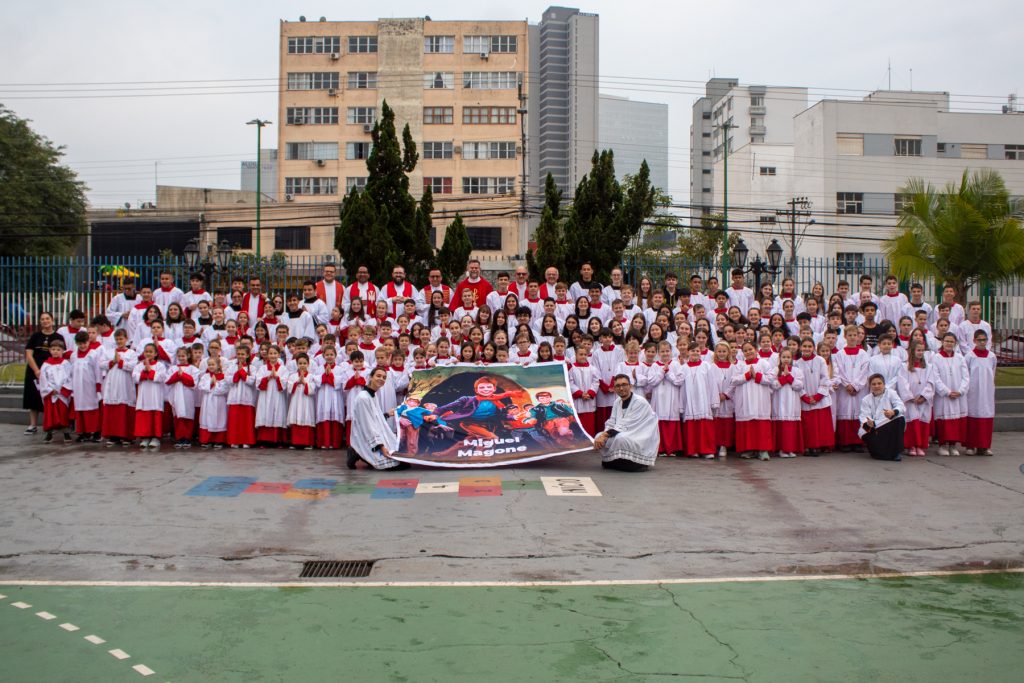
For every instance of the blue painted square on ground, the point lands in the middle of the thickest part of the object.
(315, 484)
(390, 494)
(225, 487)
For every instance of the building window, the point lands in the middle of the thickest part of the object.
(705, 153)
(706, 171)
(438, 115)
(706, 115)
(485, 44)
(439, 44)
(319, 45)
(757, 100)
(362, 115)
(901, 200)
(767, 170)
(238, 238)
(705, 135)
(757, 138)
(907, 147)
(362, 43)
(478, 185)
(850, 144)
(475, 115)
(439, 80)
(849, 202)
(706, 189)
(850, 262)
(1014, 152)
(312, 115)
(310, 150)
(362, 80)
(767, 219)
(358, 182)
(484, 239)
(291, 238)
(488, 150)
(973, 151)
(311, 185)
(316, 80)
(490, 80)
(438, 185)
(437, 150)
(357, 150)
(756, 121)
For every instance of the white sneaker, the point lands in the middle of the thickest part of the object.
(763, 455)
(943, 450)
(970, 451)
(747, 455)
(708, 456)
(953, 450)
(154, 443)
(722, 452)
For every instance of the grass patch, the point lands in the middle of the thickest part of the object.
(1010, 377)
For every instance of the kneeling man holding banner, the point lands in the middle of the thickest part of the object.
(630, 440)
(373, 439)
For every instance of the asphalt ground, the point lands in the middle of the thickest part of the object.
(720, 570)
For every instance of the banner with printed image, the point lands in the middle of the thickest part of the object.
(488, 415)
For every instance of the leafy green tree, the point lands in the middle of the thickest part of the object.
(42, 203)
(965, 234)
(549, 235)
(656, 242)
(363, 238)
(454, 253)
(605, 217)
(703, 245)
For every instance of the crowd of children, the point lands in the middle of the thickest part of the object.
(724, 369)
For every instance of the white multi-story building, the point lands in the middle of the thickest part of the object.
(851, 158)
(636, 132)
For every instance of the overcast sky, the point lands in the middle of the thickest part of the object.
(964, 48)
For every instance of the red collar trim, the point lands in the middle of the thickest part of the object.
(54, 361)
(723, 364)
(693, 363)
(981, 354)
(851, 350)
(750, 362)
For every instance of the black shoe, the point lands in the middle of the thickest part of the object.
(67, 437)
(898, 458)
(858, 449)
(353, 458)
(395, 468)
(48, 438)
(96, 438)
(31, 430)
(81, 437)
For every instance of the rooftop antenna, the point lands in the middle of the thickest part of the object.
(889, 71)
(911, 80)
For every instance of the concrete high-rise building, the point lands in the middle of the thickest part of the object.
(268, 172)
(755, 114)
(563, 99)
(635, 131)
(457, 84)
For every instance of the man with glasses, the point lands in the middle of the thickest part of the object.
(629, 442)
(519, 282)
(363, 289)
(329, 290)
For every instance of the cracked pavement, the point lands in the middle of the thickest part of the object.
(96, 513)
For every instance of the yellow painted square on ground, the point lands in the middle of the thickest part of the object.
(480, 481)
(307, 494)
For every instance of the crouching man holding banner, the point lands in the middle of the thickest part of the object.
(630, 440)
(372, 439)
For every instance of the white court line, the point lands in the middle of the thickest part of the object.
(20, 605)
(120, 654)
(3, 597)
(71, 628)
(95, 640)
(143, 669)
(46, 615)
(509, 584)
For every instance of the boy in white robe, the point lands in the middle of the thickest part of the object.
(302, 387)
(213, 413)
(981, 396)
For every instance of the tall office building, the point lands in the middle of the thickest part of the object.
(635, 131)
(268, 174)
(563, 101)
(458, 84)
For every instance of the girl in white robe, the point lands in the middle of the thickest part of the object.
(886, 361)
(752, 395)
(54, 386)
(725, 415)
(917, 389)
(699, 401)
(787, 382)
(356, 376)
(583, 382)
(272, 401)
(664, 382)
(119, 391)
(330, 403)
(816, 426)
(86, 385)
(302, 387)
(981, 396)
(213, 415)
(850, 367)
(181, 395)
(241, 401)
(951, 385)
(149, 375)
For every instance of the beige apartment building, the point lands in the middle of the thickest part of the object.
(460, 85)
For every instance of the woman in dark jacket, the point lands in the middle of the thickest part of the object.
(37, 350)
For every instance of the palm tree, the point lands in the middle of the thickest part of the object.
(961, 235)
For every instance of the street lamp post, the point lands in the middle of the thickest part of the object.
(216, 259)
(758, 267)
(259, 123)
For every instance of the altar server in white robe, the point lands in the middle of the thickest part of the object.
(213, 410)
(629, 442)
(917, 390)
(373, 439)
(272, 401)
(302, 386)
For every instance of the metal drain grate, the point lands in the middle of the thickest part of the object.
(348, 569)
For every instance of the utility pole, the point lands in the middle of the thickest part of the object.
(791, 215)
(725, 128)
(523, 236)
(259, 123)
